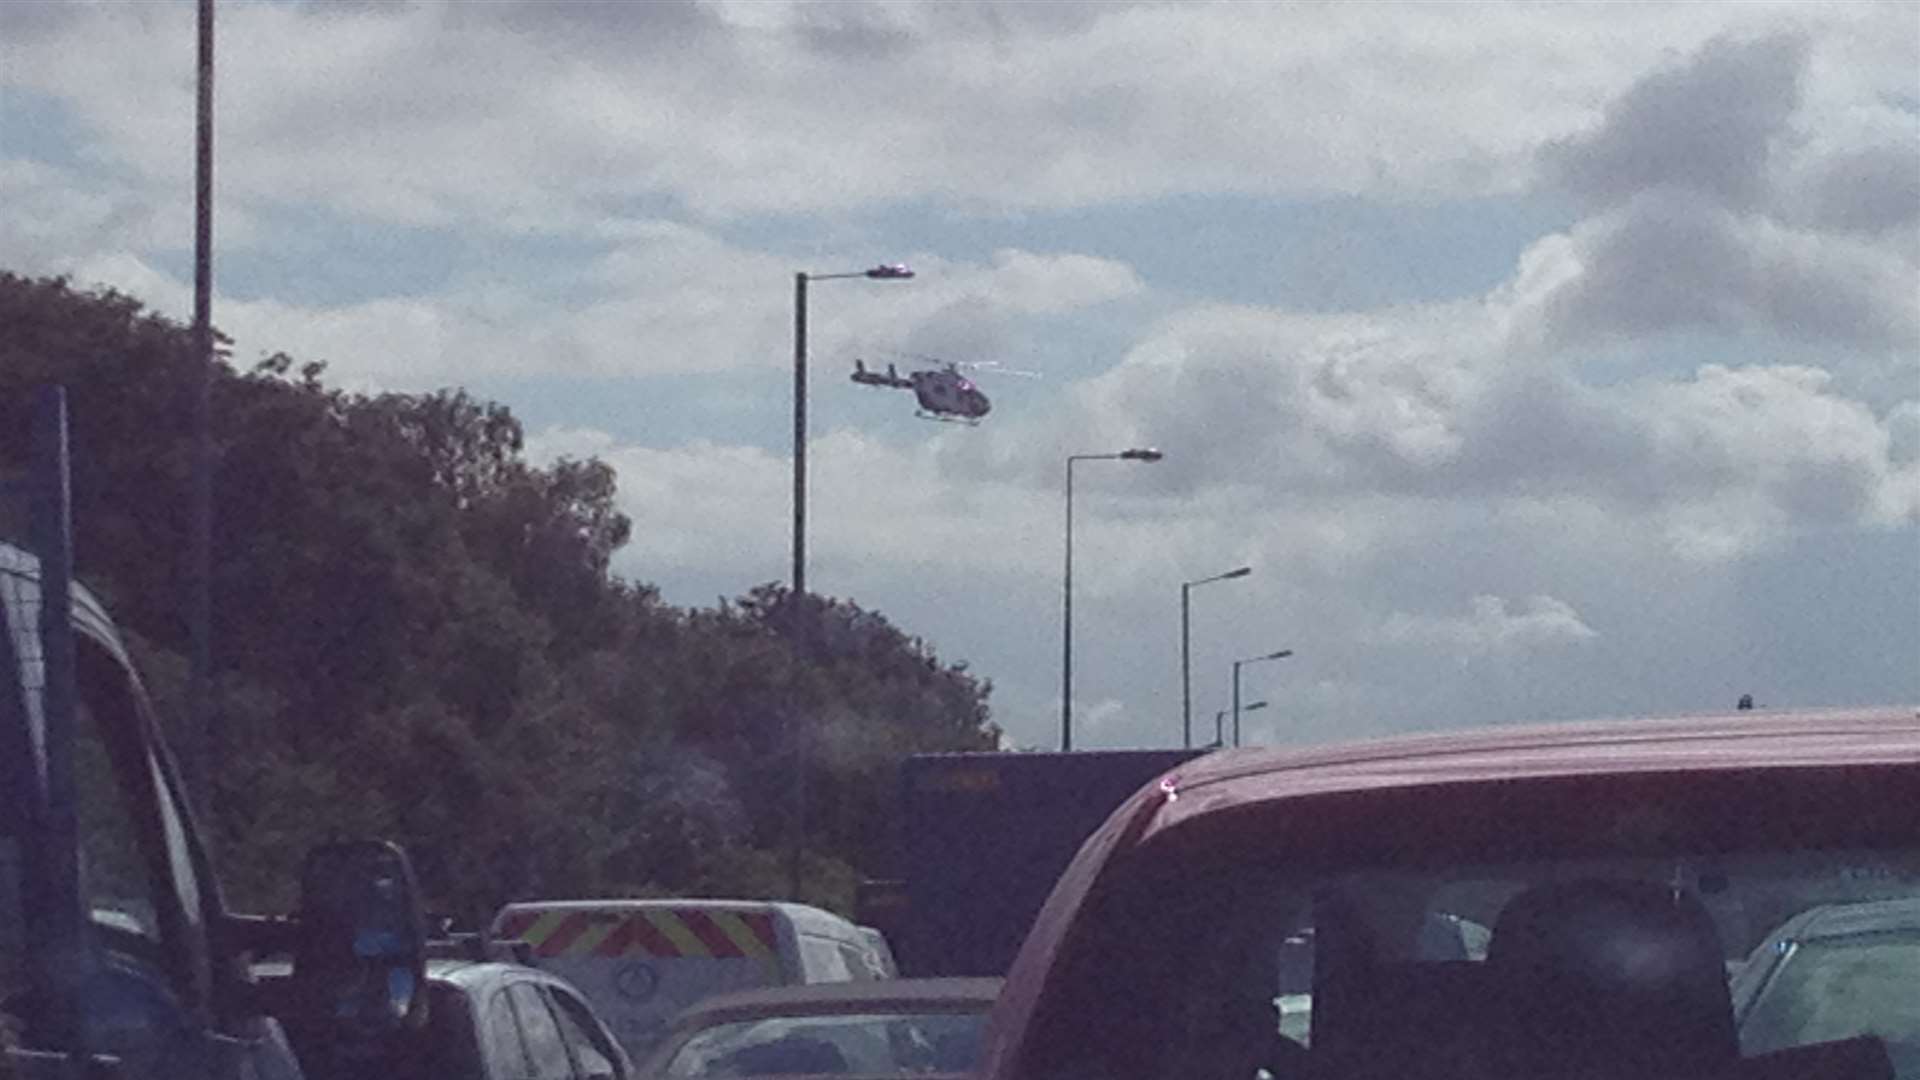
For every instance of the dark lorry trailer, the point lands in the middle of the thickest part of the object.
(980, 840)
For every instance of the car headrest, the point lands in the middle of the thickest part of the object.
(1611, 977)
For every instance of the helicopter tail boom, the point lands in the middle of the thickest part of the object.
(892, 377)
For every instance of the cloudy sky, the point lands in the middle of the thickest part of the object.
(1542, 360)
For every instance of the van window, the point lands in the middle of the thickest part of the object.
(820, 959)
(861, 964)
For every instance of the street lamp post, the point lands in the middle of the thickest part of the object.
(884, 272)
(1280, 655)
(1186, 652)
(1219, 719)
(200, 748)
(1147, 454)
(796, 597)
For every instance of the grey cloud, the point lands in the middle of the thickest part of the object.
(1708, 126)
(854, 32)
(1903, 428)
(971, 327)
(599, 27)
(1668, 261)
(24, 23)
(1872, 189)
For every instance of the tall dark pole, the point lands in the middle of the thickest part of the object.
(1066, 623)
(1186, 669)
(1278, 654)
(1186, 662)
(799, 436)
(1066, 632)
(796, 599)
(1236, 702)
(200, 749)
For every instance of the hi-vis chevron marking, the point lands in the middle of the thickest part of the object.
(613, 933)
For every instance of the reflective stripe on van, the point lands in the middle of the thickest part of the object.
(657, 933)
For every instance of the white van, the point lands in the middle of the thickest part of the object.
(642, 961)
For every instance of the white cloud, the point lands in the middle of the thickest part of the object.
(515, 116)
(1490, 629)
(1416, 404)
(871, 505)
(1041, 284)
(666, 299)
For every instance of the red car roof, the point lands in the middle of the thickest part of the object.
(1235, 779)
(1739, 740)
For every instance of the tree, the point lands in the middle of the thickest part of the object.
(418, 634)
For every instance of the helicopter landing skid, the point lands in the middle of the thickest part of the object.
(945, 419)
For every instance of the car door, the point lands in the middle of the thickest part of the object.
(139, 983)
(143, 993)
(595, 1055)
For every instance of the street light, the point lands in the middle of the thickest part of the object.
(1145, 454)
(1280, 655)
(883, 272)
(1219, 717)
(1186, 654)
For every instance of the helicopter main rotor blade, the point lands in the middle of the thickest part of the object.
(995, 367)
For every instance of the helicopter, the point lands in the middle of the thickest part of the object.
(942, 392)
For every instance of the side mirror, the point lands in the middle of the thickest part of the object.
(361, 960)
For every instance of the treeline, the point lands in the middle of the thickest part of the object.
(417, 634)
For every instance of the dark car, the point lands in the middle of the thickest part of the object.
(890, 1027)
(490, 1020)
(1835, 971)
(1616, 867)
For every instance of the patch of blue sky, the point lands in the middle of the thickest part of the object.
(1329, 254)
(323, 259)
(1864, 375)
(739, 408)
(39, 128)
(1834, 609)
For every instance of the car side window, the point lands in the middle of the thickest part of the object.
(590, 1047)
(117, 875)
(504, 1047)
(546, 1049)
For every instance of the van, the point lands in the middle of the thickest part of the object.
(642, 961)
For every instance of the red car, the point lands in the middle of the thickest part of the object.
(1516, 903)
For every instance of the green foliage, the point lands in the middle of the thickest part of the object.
(417, 634)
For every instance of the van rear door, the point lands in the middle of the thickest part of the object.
(642, 964)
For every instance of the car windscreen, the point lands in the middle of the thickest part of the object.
(863, 1043)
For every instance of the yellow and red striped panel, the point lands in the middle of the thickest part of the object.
(692, 932)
